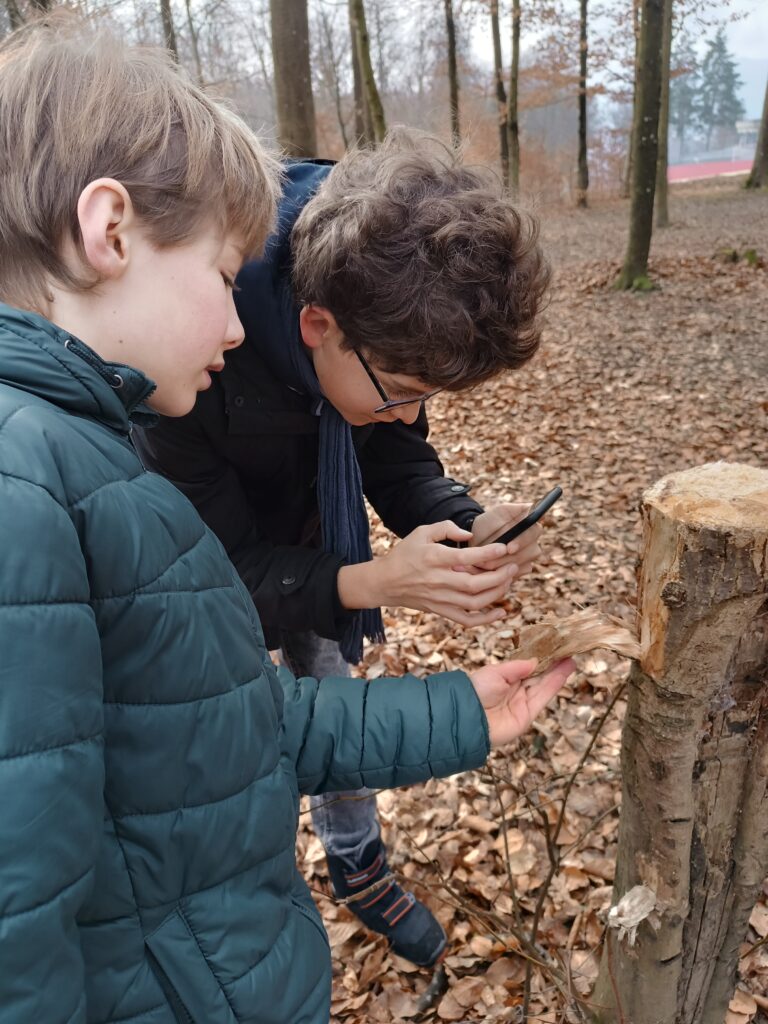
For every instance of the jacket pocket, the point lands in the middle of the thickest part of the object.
(314, 918)
(190, 986)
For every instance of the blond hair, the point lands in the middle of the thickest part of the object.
(77, 104)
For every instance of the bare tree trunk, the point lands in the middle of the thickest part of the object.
(169, 33)
(501, 96)
(194, 43)
(662, 162)
(645, 149)
(582, 180)
(453, 73)
(14, 14)
(293, 77)
(363, 124)
(363, 51)
(627, 178)
(758, 176)
(332, 59)
(694, 815)
(513, 126)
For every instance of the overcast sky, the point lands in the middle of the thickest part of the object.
(747, 40)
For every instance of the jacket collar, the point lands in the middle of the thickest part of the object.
(38, 357)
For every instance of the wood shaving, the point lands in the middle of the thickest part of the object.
(551, 640)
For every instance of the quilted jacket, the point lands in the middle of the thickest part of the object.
(151, 758)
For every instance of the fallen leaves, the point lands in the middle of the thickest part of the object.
(626, 389)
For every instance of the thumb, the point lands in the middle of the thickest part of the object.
(516, 671)
(446, 530)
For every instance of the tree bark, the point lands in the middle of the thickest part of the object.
(14, 14)
(582, 180)
(453, 72)
(758, 176)
(626, 183)
(363, 50)
(513, 124)
(645, 149)
(694, 816)
(193, 39)
(662, 161)
(363, 124)
(294, 103)
(501, 96)
(169, 32)
(332, 58)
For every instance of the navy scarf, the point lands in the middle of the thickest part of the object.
(270, 314)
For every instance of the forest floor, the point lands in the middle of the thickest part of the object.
(627, 388)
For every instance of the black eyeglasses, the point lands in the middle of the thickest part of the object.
(390, 403)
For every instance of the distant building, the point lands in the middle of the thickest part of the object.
(747, 132)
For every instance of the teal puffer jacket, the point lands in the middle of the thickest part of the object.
(151, 758)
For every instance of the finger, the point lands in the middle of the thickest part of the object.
(516, 671)
(483, 582)
(530, 538)
(479, 556)
(541, 689)
(459, 603)
(467, 618)
(447, 530)
(497, 563)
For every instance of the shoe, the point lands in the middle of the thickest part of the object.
(413, 932)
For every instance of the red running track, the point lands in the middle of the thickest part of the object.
(692, 172)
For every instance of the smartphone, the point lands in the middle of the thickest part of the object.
(528, 521)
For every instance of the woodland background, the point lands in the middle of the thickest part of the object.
(517, 860)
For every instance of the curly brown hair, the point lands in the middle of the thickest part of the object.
(426, 264)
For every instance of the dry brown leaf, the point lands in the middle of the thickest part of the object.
(551, 640)
(467, 991)
(743, 1002)
(449, 1008)
(340, 931)
(477, 823)
(759, 919)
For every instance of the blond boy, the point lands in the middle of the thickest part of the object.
(151, 759)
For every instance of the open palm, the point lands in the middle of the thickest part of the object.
(512, 697)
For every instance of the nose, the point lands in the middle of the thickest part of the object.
(235, 333)
(408, 414)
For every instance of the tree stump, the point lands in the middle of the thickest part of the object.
(694, 816)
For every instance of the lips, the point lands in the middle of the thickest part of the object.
(215, 367)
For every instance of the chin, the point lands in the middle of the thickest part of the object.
(175, 405)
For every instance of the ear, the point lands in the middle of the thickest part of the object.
(318, 326)
(105, 214)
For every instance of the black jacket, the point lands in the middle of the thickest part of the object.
(247, 459)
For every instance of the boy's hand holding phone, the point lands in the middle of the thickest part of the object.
(523, 551)
(515, 526)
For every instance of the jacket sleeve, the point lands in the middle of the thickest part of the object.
(51, 756)
(382, 733)
(293, 587)
(404, 480)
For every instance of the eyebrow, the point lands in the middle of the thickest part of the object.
(403, 390)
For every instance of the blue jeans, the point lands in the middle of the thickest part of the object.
(345, 822)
